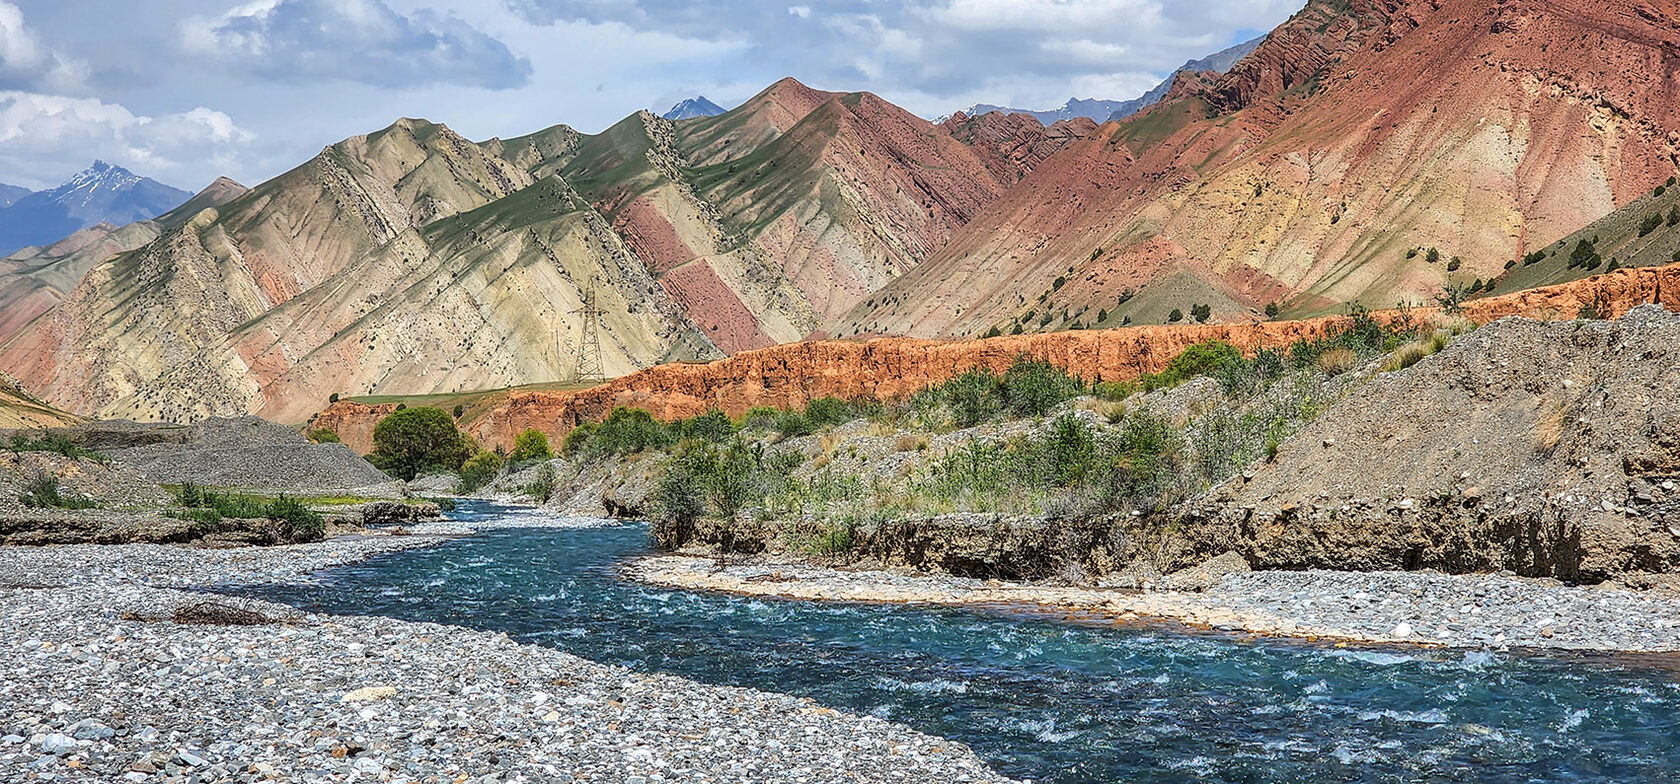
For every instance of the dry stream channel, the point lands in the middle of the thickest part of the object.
(1047, 701)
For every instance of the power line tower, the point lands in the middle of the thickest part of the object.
(589, 347)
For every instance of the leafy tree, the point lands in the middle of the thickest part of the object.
(1433, 256)
(530, 445)
(627, 431)
(412, 440)
(332, 398)
(714, 426)
(1201, 313)
(1272, 310)
(1175, 316)
(1674, 216)
(459, 410)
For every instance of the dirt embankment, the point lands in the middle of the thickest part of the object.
(791, 375)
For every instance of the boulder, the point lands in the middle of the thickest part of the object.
(1206, 574)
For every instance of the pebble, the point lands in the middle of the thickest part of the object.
(195, 703)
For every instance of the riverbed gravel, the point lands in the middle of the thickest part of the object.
(108, 673)
(1490, 611)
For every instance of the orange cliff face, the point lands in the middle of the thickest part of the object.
(887, 368)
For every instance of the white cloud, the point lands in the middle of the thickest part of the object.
(44, 137)
(26, 63)
(801, 11)
(354, 40)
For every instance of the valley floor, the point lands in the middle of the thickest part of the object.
(1410, 608)
(115, 671)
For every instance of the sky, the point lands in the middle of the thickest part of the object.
(187, 90)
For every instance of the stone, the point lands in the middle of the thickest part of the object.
(1401, 631)
(370, 694)
(58, 744)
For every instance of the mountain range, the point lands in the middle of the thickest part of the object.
(693, 108)
(101, 194)
(1366, 150)
(1106, 111)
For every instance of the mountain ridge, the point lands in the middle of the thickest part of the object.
(102, 193)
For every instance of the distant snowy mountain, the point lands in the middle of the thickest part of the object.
(694, 107)
(101, 194)
(1103, 111)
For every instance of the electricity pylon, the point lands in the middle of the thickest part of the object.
(589, 347)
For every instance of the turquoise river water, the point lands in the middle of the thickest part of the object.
(1049, 701)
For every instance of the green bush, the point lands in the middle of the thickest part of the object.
(478, 470)
(323, 436)
(1201, 313)
(1033, 388)
(714, 426)
(579, 438)
(627, 431)
(530, 445)
(1203, 358)
(1175, 316)
(1651, 223)
(792, 424)
(760, 418)
(541, 487)
(702, 478)
(413, 440)
(298, 523)
(43, 492)
(56, 444)
(972, 397)
(828, 412)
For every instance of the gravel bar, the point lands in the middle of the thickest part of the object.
(110, 671)
(1412, 608)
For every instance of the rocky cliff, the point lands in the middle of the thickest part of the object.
(791, 375)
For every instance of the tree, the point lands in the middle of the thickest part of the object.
(1175, 316)
(1201, 313)
(479, 470)
(415, 439)
(332, 398)
(1272, 310)
(459, 410)
(1434, 255)
(530, 445)
(323, 436)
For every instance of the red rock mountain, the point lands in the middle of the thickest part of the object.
(412, 261)
(1322, 169)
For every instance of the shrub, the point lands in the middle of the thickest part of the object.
(1175, 316)
(993, 332)
(1337, 361)
(1115, 390)
(1034, 387)
(714, 426)
(1201, 313)
(1432, 256)
(322, 435)
(332, 398)
(579, 438)
(478, 470)
(1651, 223)
(43, 492)
(459, 410)
(828, 412)
(1272, 310)
(973, 397)
(1674, 216)
(56, 444)
(413, 440)
(298, 523)
(541, 487)
(1455, 265)
(792, 424)
(1676, 257)
(1070, 450)
(1534, 258)
(1409, 354)
(627, 431)
(1509, 263)
(1200, 359)
(530, 445)
(760, 418)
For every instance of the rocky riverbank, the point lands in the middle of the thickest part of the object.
(113, 671)
(1409, 608)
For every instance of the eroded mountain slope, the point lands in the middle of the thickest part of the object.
(1322, 168)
